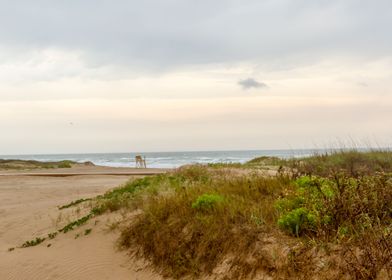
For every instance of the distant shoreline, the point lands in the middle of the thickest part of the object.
(165, 159)
(175, 159)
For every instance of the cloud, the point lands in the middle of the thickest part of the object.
(160, 36)
(251, 83)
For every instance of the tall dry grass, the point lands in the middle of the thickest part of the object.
(324, 217)
(191, 229)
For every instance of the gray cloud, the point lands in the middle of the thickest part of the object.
(156, 35)
(251, 83)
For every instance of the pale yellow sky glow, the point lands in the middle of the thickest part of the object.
(199, 109)
(166, 89)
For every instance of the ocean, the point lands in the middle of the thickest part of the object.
(166, 159)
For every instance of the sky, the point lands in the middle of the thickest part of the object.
(173, 75)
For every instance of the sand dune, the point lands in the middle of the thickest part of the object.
(29, 209)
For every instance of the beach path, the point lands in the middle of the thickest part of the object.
(29, 209)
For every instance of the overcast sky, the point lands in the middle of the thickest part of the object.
(121, 75)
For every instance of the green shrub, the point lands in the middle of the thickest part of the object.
(305, 181)
(338, 207)
(302, 211)
(207, 201)
(298, 220)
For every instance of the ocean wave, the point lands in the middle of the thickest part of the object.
(167, 159)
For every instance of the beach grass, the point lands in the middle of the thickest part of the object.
(210, 216)
(198, 217)
(352, 163)
(326, 216)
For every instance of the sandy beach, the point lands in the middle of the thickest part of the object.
(29, 209)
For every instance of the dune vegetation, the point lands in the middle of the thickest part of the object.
(330, 225)
(16, 164)
(323, 217)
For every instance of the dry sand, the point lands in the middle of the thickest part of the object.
(28, 208)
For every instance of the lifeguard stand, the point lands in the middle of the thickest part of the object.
(140, 161)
